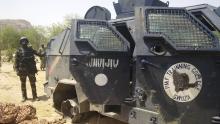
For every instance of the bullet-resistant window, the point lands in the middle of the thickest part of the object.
(100, 35)
(180, 28)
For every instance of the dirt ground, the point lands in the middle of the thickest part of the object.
(10, 92)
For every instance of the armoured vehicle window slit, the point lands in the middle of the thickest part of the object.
(99, 34)
(204, 20)
(183, 31)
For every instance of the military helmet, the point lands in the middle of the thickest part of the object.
(24, 40)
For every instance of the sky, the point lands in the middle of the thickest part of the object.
(47, 12)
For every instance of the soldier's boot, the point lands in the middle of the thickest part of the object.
(34, 92)
(24, 92)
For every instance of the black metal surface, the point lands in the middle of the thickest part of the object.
(108, 70)
(152, 70)
(98, 13)
(104, 54)
(205, 106)
(112, 92)
(125, 8)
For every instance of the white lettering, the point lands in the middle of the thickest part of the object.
(181, 98)
(103, 63)
(166, 83)
(188, 78)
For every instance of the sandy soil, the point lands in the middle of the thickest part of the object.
(10, 92)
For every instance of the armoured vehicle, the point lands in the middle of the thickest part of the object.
(154, 64)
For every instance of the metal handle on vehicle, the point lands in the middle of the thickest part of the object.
(145, 62)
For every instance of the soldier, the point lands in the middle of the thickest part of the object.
(42, 51)
(25, 66)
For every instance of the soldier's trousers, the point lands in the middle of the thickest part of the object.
(32, 80)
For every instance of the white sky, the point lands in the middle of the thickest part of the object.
(46, 12)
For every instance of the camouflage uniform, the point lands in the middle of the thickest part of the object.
(25, 66)
(42, 50)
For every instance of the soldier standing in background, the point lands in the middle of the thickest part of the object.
(25, 66)
(42, 51)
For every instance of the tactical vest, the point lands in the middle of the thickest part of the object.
(27, 62)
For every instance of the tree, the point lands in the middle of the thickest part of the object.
(9, 38)
(69, 18)
(37, 35)
(43, 32)
(34, 36)
(55, 29)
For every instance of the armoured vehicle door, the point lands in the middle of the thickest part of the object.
(100, 61)
(177, 67)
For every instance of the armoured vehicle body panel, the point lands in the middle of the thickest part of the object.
(160, 66)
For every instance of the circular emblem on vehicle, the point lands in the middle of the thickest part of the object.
(182, 82)
(101, 79)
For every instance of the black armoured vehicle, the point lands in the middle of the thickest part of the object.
(154, 64)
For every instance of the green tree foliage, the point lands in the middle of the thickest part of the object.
(55, 29)
(42, 31)
(9, 39)
(34, 36)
